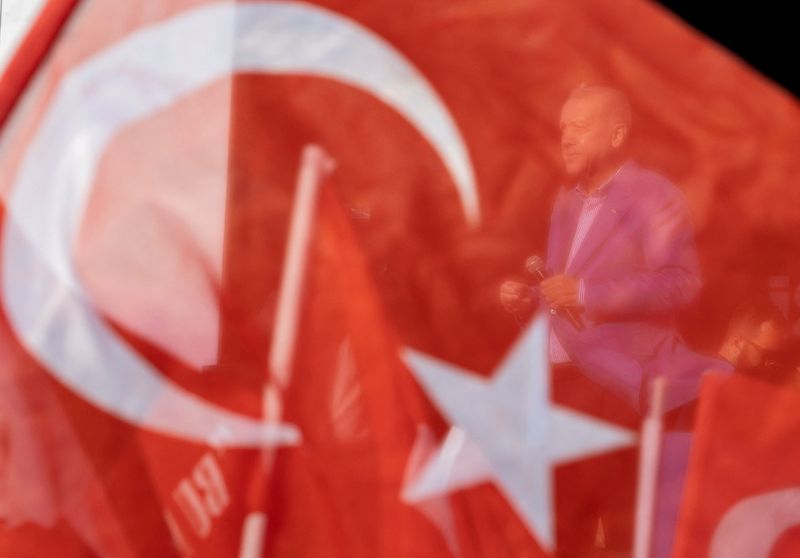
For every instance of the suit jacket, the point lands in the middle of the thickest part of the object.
(639, 267)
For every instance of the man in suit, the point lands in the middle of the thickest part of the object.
(621, 261)
(620, 264)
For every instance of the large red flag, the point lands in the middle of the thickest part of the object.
(148, 175)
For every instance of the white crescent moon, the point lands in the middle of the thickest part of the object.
(48, 308)
(751, 528)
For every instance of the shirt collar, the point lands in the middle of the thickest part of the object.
(602, 190)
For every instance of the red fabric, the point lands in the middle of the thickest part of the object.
(393, 262)
(31, 51)
(337, 494)
(746, 446)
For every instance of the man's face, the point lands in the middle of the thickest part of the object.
(586, 134)
(766, 336)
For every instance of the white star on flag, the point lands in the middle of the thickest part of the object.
(506, 430)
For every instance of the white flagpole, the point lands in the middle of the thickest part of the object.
(649, 454)
(315, 165)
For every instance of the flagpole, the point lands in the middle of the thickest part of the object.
(649, 454)
(315, 165)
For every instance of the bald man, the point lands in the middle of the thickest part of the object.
(621, 263)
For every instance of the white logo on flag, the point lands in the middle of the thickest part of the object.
(753, 526)
(49, 309)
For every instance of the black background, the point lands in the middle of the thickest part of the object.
(758, 32)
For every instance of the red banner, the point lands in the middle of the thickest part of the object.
(151, 153)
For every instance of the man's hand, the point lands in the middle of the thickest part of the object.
(560, 291)
(515, 296)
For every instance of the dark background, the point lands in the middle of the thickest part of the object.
(758, 32)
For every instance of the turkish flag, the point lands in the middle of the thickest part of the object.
(150, 153)
(743, 488)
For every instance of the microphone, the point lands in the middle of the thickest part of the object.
(535, 266)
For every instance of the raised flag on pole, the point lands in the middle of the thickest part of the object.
(148, 166)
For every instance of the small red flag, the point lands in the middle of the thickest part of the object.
(742, 495)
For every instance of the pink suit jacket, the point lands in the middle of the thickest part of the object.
(639, 267)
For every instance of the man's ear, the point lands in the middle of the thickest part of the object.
(619, 135)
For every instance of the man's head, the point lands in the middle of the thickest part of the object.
(757, 332)
(595, 122)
